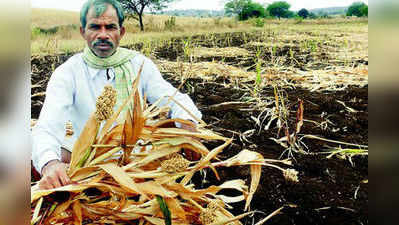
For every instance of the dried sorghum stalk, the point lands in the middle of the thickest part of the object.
(105, 104)
(69, 128)
(208, 215)
(175, 163)
(291, 175)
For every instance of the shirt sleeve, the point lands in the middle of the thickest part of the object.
(155, 87)
(49, 132)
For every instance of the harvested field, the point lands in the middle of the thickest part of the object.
(295, 93)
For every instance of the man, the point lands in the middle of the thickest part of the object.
(75, 85)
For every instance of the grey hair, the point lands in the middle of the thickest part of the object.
(100, 6)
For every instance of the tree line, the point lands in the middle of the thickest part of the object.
(243, 9)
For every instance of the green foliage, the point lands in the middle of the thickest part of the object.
(304, 13)
(165, 210)
(312, 16)
(35, 32)
(290, 14)
(267, 15)
(365, 10)
(258, 22)
(252, 9)
(245, 9)
(170, 23)
(298, 19)
(62, 30)
(258, 69)
(188, 49)
(358, 9)
(147, 47)
(330, 11)
(235, 7)
(311, 45)
(325, 16)
(279, 9)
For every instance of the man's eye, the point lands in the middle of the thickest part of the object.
(94, 27)
(111, 27)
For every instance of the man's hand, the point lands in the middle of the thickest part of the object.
(190, 155)
(54, 175)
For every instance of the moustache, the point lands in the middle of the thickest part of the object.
(102, 42)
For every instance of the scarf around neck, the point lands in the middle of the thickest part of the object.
(124, 75)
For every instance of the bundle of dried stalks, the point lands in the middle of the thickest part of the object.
(206, 70)
(203, 52)
(333, 79)
(269, 46)
(330, 80)
(120, 179)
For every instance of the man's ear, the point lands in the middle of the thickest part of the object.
(82, 32)
(123, 30)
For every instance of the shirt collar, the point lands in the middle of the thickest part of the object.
(93, 72)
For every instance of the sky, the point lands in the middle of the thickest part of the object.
(75, 5)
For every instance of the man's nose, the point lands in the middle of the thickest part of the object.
(103, 35)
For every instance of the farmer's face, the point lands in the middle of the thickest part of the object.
(102, 33)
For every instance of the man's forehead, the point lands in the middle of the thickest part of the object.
(109, 14)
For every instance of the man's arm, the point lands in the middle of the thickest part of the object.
(155, 87)
(49, 131)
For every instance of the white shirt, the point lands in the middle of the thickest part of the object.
(71, 95)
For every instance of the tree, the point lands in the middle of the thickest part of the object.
(235, 7)
(279, 9)
(289, 14)
(324, 15)
(244, 9)
(304, 13)
(365, 10)
(312, 15)
(136, 8)
(357, 9)
(252, 9)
